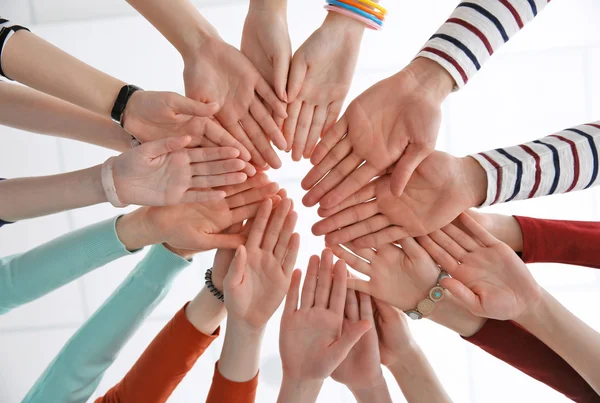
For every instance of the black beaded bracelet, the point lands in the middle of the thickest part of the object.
(211, 287)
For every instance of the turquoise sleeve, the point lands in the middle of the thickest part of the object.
(27, 276)
(75, 373)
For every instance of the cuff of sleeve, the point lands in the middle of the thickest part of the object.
(235, 391)
(440, 58)
(528, 230)
(190, 334)
(101, 241)
(163, 266)
(492, 173)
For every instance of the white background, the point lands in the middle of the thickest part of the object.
(541, 82)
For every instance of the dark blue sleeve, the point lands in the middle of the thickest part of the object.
(2, 222)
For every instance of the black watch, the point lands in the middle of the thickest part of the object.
(117, 111)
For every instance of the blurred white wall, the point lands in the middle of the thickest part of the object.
(541, 82)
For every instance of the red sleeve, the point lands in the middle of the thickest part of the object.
(514, 345)
(557, 241)
(163, 365)
(224, 390)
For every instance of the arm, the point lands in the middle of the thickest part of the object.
(254, 287)
(474, 31)
(59, 118)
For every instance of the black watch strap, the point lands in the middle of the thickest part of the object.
(121, 102)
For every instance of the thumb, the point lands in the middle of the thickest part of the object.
(350, 336)
(157, 148)
(235, 274)
(188, 106)
(409, 161)
(281, 68)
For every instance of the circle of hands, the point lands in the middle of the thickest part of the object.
(393, 209)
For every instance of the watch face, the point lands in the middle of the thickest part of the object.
(414, 315)
(436, 293)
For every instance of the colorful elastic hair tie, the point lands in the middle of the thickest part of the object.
(374, 5)
(370, 24)
(374, 12)
(355, 10)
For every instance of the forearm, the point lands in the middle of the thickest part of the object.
(476, 30)
(450, 314)
(296, 391)
(30, 275)
(566, 334)
(279, 6)
(76, 371)
(60, 74)
(59, 118)
(179, 21)
(205, 312)
(24, 198)
(416, 378)
(378, 393)
(240, 356)
(559, 163)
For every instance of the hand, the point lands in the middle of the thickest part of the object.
(491, 280)
(441, 188)
(395, 339)
(198, 226)
(312, 340)
(266, 43)
(220, 73)
(397, 119)
(401, 277)
(362, 368)
(320, 78)
(260, 273)
(164, 173)
(504, 227)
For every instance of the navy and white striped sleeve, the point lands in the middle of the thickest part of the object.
(474, 31)
(559, 163)
(7, 29)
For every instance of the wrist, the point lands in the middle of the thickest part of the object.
(244, 330)
(205, 312)
(538, 308)
(431, 77)
(508, 230)
(299, 390)
(453, 316)
(134, 231)
(190, 47)
(475, 181)
(272, 6)
(347, 26)
(377, 392)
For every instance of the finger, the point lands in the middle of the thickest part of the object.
(330, 139)
(284, 236)
(218, 135)
(275, 225)
(386, 235)
(337, 298)
(345, 218)
(438, 254)
(409, 161)
(350, 184)
(202, 196)
(351, 335)
(316, 129)
(292, 254)
(188, 106)
(367, 192)
(218, 180)
(222, 241)
(366, 308)
(352, 260)
(266, 122)
(258, 180)
(291, 299)
(333, 112)
(339, 152)
(302, 128)
(217, 167)
(270, 98)
(237, 131)
(281, 67)
(464, 295)
(324, 281)
(235, 274)
(289, 126)
(260, 224)
(358, 230)
(412, 248)
(448, 244)
(358, 284)
(249, 169)
(352, 309)
(460, 237)
(310, 283)
(366, 253)
(260, 141)
(330, 183)
(387, 312)
(207, 154)
(298, 71)
(154, 149)
(480, 233)
(282, 193)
